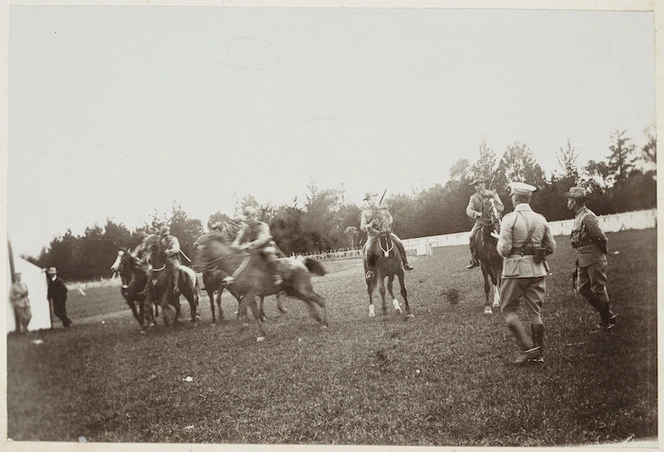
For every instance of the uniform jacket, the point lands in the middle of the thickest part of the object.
(57, 291)
(586, 230)
(475, 206)
(256, 234)
(369, 215)
(513, 234)
(171, 246)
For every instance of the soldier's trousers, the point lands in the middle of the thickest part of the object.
(533, 291)
(592, 285)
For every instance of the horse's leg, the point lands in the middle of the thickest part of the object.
(261, 309)
(219, 291)
(496, 289)
(487, 288)
(210, 291)
(381, 289)
(370, 288)
(249, 299)
(404, 293)
(280, 306)
(395, 302)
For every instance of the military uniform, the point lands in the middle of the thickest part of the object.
(171, 247)
(475, 211)
(369, 223)
(256, 235)
(525, 238)
(590, 242)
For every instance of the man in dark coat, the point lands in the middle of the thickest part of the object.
(57, 296)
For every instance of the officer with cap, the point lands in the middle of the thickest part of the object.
(368, 224)
(475, 209)
(525, 240)
(590, 242)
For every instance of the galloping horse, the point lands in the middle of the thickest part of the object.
(252, 278)
(384, 262)
(490, 261)
(160, 288)
(213, 280)
(133, 278)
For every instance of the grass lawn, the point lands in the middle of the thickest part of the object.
(443, 378)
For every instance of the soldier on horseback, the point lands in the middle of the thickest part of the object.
(368, 225)
(474, 211)
(171, 247)
(255, 235)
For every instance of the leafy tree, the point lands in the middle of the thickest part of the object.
(567, 159)
(621, 160)
(186, 229)
(486, 162)
(518, 164)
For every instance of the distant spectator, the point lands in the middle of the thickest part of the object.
(57, 295)
(18, 295)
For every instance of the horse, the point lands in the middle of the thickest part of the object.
(384, 262)
(160, 285)
(491, 262)
(133, 278)
(213, 280)
(251, 277)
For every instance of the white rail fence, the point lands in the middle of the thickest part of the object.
(642, 219)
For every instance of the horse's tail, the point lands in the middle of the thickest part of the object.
(314, 266)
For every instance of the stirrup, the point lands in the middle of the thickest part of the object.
(407, 266)
(369, 275)
(228, 280)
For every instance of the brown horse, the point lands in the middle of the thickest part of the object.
(490, 261)
(252, 278)
(133, 279)
(160, 285)
(213, 280)
(383, 262)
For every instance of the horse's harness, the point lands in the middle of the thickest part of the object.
(389, 244)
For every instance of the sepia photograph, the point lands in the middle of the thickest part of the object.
(321, 225)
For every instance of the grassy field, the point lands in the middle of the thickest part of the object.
(443, 378)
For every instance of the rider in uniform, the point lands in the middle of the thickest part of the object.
(525, 240)
(590, 242)
(368, 225)
(256, 235)
(474, 211)
(171, 247)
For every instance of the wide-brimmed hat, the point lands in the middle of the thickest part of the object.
(577, 193)
(250, 211)
(52, 271)
(164, 230)
(478, 180)
(368, 195)
(521, 188)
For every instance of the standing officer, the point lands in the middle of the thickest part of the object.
(525, 241)
(589, 241)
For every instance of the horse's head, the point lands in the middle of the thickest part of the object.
(383, 222)
(124, 265)
(208, 248)
(491, 217)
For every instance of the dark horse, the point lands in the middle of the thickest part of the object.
(490, 261)
(384, 262)
(133, 278)
(252, 278)
(160, 288)
(213, 280)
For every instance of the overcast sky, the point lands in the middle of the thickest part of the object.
(117, 111)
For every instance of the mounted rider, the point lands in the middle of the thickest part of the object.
(368, 223)
(475, 209)
(255, 235)
(171, 247)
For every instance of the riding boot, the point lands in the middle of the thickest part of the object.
(537, 332)
(474, 262)
(402, 253)
(176, 281)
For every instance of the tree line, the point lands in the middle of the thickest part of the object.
(624, 181)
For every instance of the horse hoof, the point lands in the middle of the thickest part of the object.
(260, 339)
(488, 311)
(372, 314)
(496, 305)
(410, 316)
